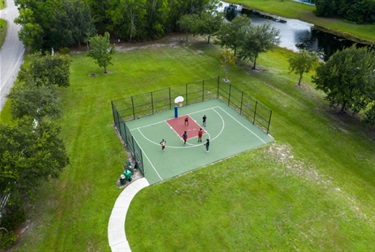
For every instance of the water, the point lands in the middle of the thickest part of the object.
(296, 34)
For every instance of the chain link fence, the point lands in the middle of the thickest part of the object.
(154, 102)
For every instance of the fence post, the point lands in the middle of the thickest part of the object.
(143, 168)
(133, 108)
(255, 111)
(152, 103)
(113, 113)
(133, 146)
(269, 122)
(203, 92)
(187, 94)
(170, 99)
(241, 103)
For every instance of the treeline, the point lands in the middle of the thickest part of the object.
(55, 24)
(358, 11)
(31, 149)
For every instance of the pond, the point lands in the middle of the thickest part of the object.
(294, 34)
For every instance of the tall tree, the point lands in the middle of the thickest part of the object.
(258, 39)
(47, 70)
(187, 24)
(80, 22)
(128, 17)
(209, 23)
(31, 33)
(30, 153)
(101, 50)
(348, 79)
(302, 62)
(231, 33)
(157, 12)
(29, 99)
(53, 23)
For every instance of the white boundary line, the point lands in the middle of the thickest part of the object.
(143, 152)
(189, 144)
(242, 125)
(223, 122)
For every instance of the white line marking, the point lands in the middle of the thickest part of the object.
(144, 153)
(222, 128)
(242, 125)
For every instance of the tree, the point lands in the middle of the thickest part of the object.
(303, 62)
(30, 153)
(47, 70)
(209, 23)
(101, 50)
(231, 33)
(256, 40)
(348, 79)
(29, 99)
(80, 21)
(128, 17)
(31, 33)
(187, 24)
(157, 12)
(53, 23)
(227, 61)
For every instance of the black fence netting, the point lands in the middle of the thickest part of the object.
(150, 103)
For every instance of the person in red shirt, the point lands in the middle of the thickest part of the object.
(200, 134)
(187, 121)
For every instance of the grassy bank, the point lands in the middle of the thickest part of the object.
(3, 31)
(291, 9)
(313, 189)
(3, 26)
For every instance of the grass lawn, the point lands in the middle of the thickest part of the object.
(291, 9)
(313, 189)
(3, 31)
(3, 25)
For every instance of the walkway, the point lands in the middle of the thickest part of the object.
(11, 53)
(116, 226)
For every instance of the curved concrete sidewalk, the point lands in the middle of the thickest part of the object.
(116, 226)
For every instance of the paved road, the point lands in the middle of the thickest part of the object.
(11, 54)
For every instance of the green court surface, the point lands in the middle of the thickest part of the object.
(229, 134)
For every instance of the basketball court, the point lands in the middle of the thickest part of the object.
(229, 134)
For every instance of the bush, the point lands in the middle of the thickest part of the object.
(7, 239)
(13, 214)
(65, 50)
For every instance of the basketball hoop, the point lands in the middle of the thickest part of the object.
(179, 100)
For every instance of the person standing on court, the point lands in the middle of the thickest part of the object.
(200, 134)
(184, 136)
(204, 120)
(207, 144)
(162, 143)
(187, 121)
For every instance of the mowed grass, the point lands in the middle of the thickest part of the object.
(313, 189)
(3, 25)
(3, 31)
(291, 9)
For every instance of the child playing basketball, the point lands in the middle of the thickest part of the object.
(162, 143)
(184, 136)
